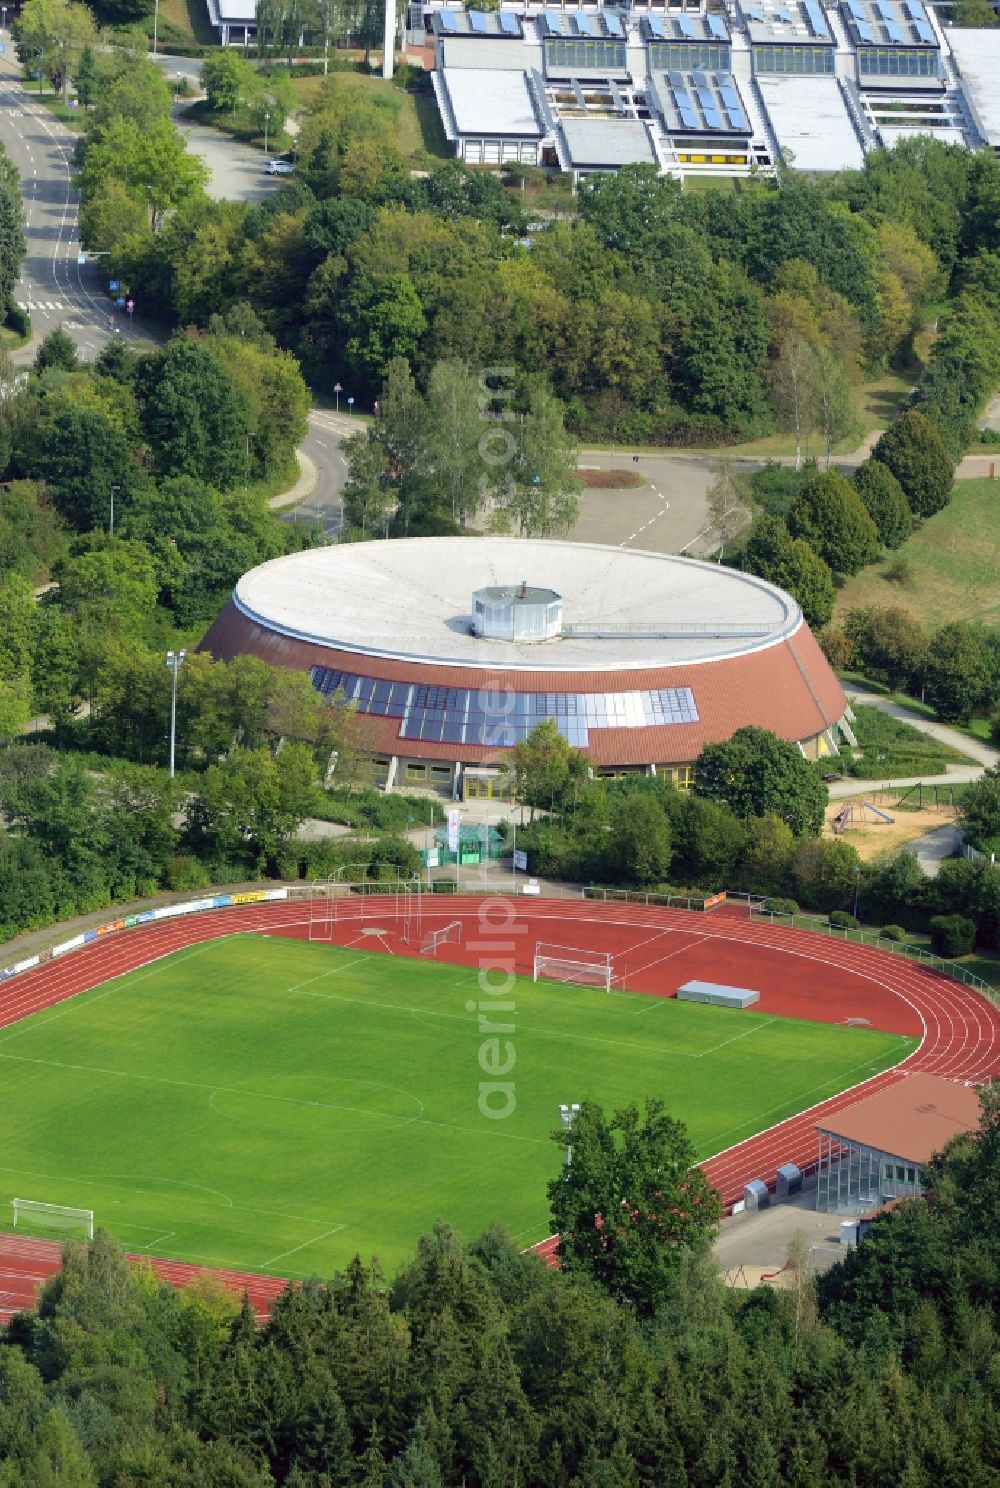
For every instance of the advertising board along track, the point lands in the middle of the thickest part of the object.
(959, 1029)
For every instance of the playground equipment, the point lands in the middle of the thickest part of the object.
(855, 813)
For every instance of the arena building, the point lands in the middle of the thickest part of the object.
(451, 649)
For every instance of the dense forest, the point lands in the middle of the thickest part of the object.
(478, 1367)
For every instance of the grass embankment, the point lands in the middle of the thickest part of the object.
(73, 118)
(419, 132)
(889, 747)
(273, 1105)
(877, 404)
(952, 564)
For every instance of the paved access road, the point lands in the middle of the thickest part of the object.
(54, 288)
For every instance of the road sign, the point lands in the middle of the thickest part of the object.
(120, 302)
(130, 306)
(113, 286)
(520, 859)
(81, 258)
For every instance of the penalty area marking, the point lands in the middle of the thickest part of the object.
(314, 1240)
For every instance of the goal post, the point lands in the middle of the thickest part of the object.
(573, 965)
(338, 900)
(449, 935)
(34, 1215)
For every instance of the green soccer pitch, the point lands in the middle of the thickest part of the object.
(267, 1104)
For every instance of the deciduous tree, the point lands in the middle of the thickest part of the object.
(756, 774)
(630, 1202)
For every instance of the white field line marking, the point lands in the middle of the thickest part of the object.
(71, 1004)
(109, 1180)
(747, 1033)
(272, 1260)
(291, 1100)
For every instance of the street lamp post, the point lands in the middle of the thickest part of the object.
(567, 1115)
(857, 887)
(174, 662)
(267, 120)
(111, 515)
(337, 390)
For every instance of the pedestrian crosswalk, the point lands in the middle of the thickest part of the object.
(40, 305)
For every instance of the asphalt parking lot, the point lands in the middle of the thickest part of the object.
(236, 172)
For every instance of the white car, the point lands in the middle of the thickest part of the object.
(278, 168)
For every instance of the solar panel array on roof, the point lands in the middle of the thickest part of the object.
(817, 20)
(731, 102)
(787, 17)
(682, 98)
(553, 21)
(583, 26)
(754, 13)
(894, 33)
(613, 23)
(885, 10)
(914, 10)
(447, 20)
(865, 31)
(857, 11)
(655, 24)
(717, 26)
(477, 21)
(687, 28)
(925, 33)
(509, 24)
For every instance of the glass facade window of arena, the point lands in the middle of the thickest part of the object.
(455, 715)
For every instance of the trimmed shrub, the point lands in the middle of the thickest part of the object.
(781, 906)
(892, 932)
(952, 935)
(19, 321)
(841, 920)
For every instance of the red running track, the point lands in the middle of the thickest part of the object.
(798, 973)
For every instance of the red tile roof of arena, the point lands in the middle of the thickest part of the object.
(788, 687)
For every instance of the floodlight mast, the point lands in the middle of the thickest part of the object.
(388, 38)
(175, 660)
(567, 1115)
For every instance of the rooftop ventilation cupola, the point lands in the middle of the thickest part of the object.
(517, 612)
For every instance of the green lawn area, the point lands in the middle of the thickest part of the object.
(954, 560)
(419, 133)
(269, 1104)
(877, 402)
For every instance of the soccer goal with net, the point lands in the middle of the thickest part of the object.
(394, 901)
(34, 1216)
(450, 935)
(554, 963)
